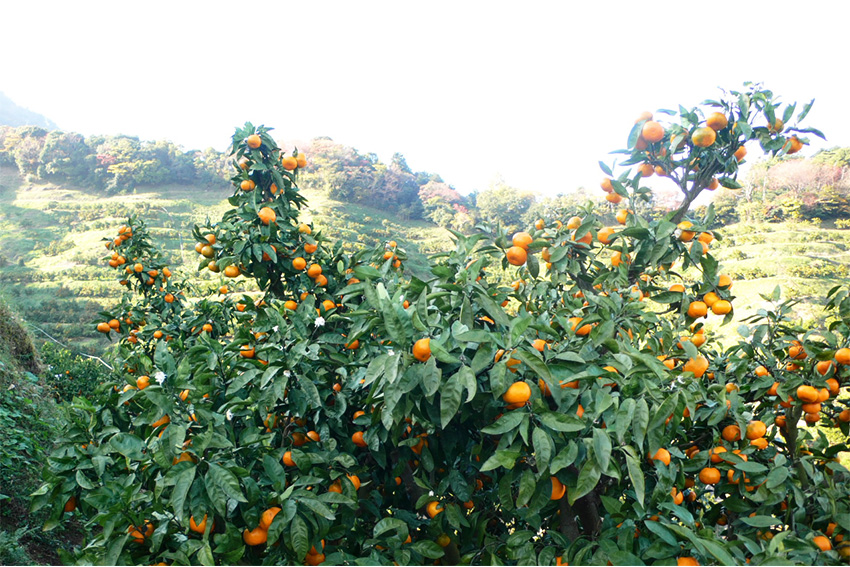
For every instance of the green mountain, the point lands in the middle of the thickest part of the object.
(13, 115)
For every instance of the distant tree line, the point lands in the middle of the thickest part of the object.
(791, 189)
(788, 188)
(112, 164)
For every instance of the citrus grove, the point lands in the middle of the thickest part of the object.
(575, 412)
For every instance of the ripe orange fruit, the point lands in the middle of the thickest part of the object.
(721, 307)
(231, 271)
(604, 235)
(710, 298)
(696, 365)
(614, 198)
(606, 185)
(314, 271)
(247, 185)
(267, 215)
(622, 216)
(310, 248)
(558, 489)
(246, 351)
(433, 508)
(793, 145)
(833, 386)
(652, 131)
(143, 382)
(842, 356)
(740, 153)
(257, 536)
(645, 115)
(646, 169)
(731, 433)
(685, 234)
(823, 367)
(516, 256)
(686, 561)
(756, 430)
(104, 327)
(301, 160)
(717, 121)
(703, 137)
(697, 309)
(198, 528)
(287, 459)
(289, 163)
(539, 344)
(662, 455)
(358, 440)
(522, 239)
(582, 331)
(422, 349)
(518, 393)
(715, 454)
(299, 263)
(71, 504)
(822, 542)
(807, 394)
(713, 184)
(253, 141)
(709, 475)
(161, 421)
(776, 127)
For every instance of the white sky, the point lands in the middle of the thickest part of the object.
(536, 92)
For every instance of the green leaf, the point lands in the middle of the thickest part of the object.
(508, 422)
(226, 481)
(543, 447)
(641, 422)
(777, 477)
(588, 478)
(761, 521)
(502, 458)
(318, 507)
(565, 458)
(431, 377)
(182, 484)
(602, 448)
(450, 396)
(427, 548)
(300, 536)
(605, 169)
(527, 484)
(466, 377)
(493, 309)
(390, 524)
(624, 418)
(441, 354)
(128, 445)
(518, 327)
(562, 422)
(636, 475)
(533, 360)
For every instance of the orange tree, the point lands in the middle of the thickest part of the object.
(578, 413)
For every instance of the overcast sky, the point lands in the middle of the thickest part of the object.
(536, 92)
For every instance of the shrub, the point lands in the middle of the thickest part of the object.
(547, 417)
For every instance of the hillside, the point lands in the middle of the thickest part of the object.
(51, 245)
(13, 115)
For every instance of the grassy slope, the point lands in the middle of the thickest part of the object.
(51, 243)
(759, 257)
(28, 419)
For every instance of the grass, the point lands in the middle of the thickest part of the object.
(51, 244)
(28, 419)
